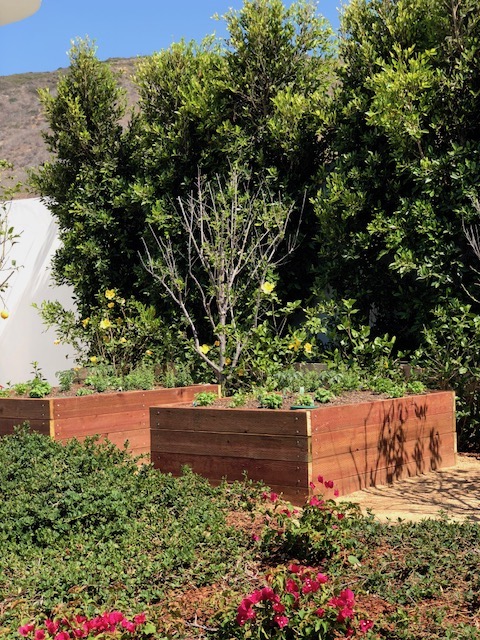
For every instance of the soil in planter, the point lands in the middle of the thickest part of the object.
(290, 399)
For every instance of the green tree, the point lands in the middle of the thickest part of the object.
(406, 164)
(256, 103)
(86, 184)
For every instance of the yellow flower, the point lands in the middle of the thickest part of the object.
(216, 343)
(110, 294)
(267, 287)
(295, 344)
(105, 324)
(85, 321)
(307, 347)
(228, 361)
(205, 348)
(148, 352)
(93, 359)
(123, 339)
(110, 305)
(4, 314)
(56, 342)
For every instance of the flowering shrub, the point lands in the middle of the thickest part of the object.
(78, 626)
(299, 602)
(117, 332)
(321, 529)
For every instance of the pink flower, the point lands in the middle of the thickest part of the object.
(39, 634)
(344, 614)
(291, 587)
(26, 629)
(312, 486)
(278, 607)
(63, 635)
(51, 626)
(365, 625)
(320, 612)
(255, 537)
(315, 502)
(329, 484)
(114, 617)
(282, 621)
(128, 626)
(320, 479)
(273, 497)
(349, 632)
(140, 618)
(310, 586)
(295, 568)
(340, 516)
(336, 493)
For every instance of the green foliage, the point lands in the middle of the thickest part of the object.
(87, 181)
(270, 400)
(86, 526)
(323, 395)
(407, 144)
(304, 400)
(204, 398)
(117, 332)
(450, 360)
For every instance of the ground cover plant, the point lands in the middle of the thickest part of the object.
(94, 543)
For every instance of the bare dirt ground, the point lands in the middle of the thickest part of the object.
(454, 491)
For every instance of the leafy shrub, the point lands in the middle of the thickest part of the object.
(304, 400)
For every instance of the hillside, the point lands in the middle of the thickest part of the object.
(22, 121)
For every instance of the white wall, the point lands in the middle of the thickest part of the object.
(23, 338)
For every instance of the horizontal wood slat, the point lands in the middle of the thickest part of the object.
(25, 409)
(272, 472)
(248, 421)
(232, 445)
(329, 441)
(369, 465)
(77, 427)
(138, 439)
(40, 426)
(125, 401)
(395, 410)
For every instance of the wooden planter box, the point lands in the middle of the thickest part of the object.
(355, 445)
(117, 416)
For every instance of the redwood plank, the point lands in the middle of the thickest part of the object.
(271, 472)
(90, 425)
(328, 441)
(138, 439)
(247, 421)
(232, 445)
(396, 410)
(417, 457)
(125, 401)
(25, 408)
(7, 425)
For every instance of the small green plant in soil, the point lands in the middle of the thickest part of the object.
(303, 400)
(204, 399)
(270, 400)
(323, 395)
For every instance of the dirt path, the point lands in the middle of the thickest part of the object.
(454, 491)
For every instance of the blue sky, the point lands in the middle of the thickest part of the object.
(120, 28)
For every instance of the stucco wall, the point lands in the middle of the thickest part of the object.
(23, 338)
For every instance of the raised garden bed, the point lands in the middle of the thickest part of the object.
(117, 416)
(355, 445)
